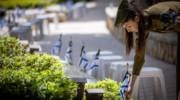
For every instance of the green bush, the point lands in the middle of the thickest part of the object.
(28, 83)
(32, 76)
(39, 62)
(36, 76)
(10, 47)
(9, 4)
(111, 88)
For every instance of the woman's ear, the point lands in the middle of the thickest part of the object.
(137, 18)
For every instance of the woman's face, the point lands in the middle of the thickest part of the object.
(131, 25)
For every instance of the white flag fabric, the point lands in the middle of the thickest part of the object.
(56, 48)
(93, 66)
(68, 55)
(83, 63)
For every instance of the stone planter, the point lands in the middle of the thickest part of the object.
(94, 94)
(80, 91)
(74, 73)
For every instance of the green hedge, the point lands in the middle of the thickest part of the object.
(26, 83)
(32, 76)
(10, 47)
(111, 88)
(9, 4)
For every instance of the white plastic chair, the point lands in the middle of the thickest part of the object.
(156, 73)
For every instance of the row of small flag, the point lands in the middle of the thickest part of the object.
(86, 65)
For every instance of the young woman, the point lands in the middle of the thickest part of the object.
(136, 32)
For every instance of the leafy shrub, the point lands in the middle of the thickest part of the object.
(36, 76)
(37, 61)
(26, 76)
(10, 47)
(16, 83)
(111, 88)
(28, 83)
(9, 4)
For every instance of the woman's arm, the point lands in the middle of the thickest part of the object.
(138, 60)
(130, 87)
(138, 63)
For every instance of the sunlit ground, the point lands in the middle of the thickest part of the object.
(89, 27)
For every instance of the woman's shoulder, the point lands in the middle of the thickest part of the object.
(162, 7)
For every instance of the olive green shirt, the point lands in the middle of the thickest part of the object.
(154, 12)
(162, 7)
(155, 25)
(157, 9)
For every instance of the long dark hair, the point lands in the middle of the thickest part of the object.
(132, 13)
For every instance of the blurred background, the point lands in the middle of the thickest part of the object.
(89, 23)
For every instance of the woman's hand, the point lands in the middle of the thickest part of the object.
(128, 93)
(130, 87)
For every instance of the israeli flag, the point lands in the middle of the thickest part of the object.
(94, 64)
(83, 63)
(92, 67)
(68, 55)
(124, 86)
(56, 48)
